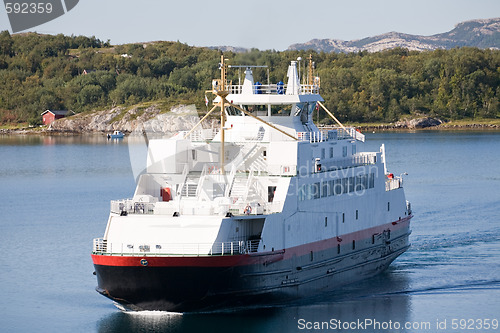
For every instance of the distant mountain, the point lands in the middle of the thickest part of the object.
(476, 33)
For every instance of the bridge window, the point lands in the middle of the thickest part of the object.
(280, 110)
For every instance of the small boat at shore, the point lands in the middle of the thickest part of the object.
(267, 208)
(116, 135)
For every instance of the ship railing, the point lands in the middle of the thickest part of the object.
(408, 207)
(350, 162)
(273, 89)
(129, 206)
(393, 183)
(100, 245)
(183, 249)
(331, 133)
(312, 136)
(202, 135)
(253, 208)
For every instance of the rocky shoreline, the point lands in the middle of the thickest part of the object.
(149, 119)
(183, 117)
(427, 123)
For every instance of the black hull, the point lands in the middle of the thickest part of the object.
(178, 289)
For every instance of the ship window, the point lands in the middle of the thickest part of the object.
(353, 149)
(316, 190)
(232, 111)
(326, 221)
(358, 183)
(357, 214)
(388, 206)
(330, 187)
(353, 244)
(365, 181)
(322, 153)
(371, 180)
(264, 153)
(338, 248)
(343, 217)
(309, 195)
(302, 193)
(351, 184)
(331, 152)
(324, 192)
(312, 256)
(337, 188)
(280, 110)
(258, 110)
(344, 185)
(193, 154)
(344, 151)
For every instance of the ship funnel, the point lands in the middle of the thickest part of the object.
(293, 86)
(248, 83)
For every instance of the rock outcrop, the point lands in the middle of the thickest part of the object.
(150, 119)
(418, 123)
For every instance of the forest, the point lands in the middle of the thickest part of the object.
(39, 72)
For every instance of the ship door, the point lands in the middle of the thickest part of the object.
(270, 193)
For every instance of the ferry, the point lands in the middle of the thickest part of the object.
(266, 208)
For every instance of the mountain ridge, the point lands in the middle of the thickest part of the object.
(481, 33)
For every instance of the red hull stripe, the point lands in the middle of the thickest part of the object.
(346, 238)
(246, 259)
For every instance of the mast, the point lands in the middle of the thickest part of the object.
(310, 72)
(222, 115)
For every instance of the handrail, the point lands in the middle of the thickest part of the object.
(103, 247)
(348, 162)
(201, 180)
(393, 183)
(185, 172)
(229, 186)
(330, 133)
(129, 206)
(267, 89)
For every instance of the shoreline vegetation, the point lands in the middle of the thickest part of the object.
(130, 119)
(394, 89)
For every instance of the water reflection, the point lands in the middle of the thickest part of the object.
(383, 298)
(48, 140)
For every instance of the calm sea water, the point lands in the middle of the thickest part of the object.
(55, 194)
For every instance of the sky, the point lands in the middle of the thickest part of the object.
(262, 24)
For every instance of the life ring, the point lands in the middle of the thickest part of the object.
(248, 210)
